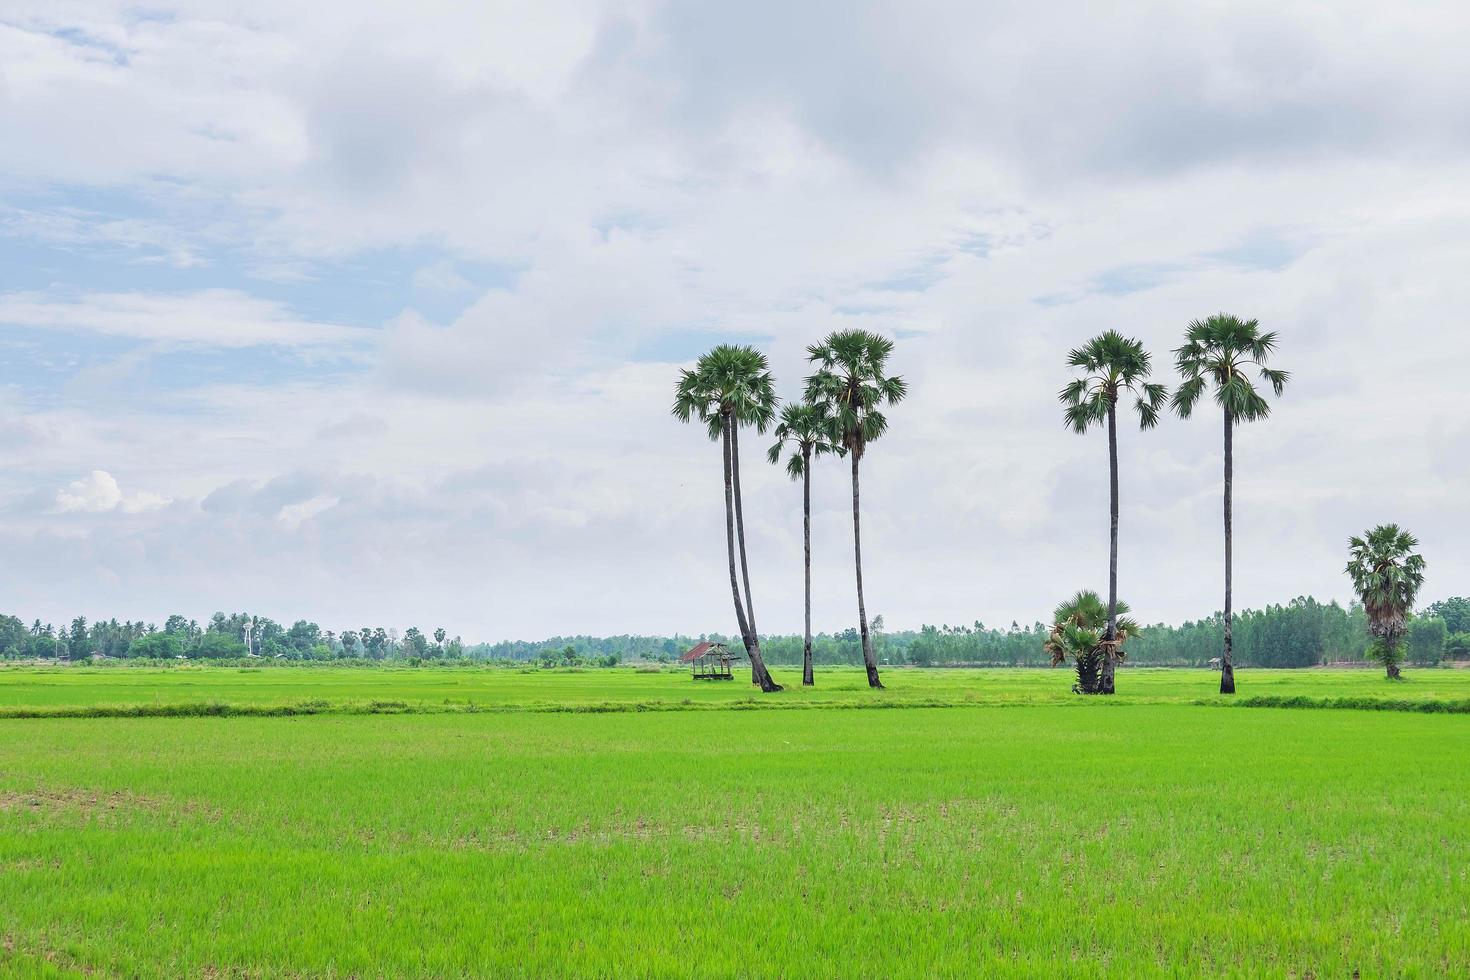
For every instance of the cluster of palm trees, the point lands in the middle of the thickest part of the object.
(840, 413)
(1219, 355)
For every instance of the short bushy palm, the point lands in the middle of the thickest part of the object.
(1111, 366)
(1219, 354)
(1078, 633)
(852, 385)
(729, 387)
(1387, 574)
(809, 432)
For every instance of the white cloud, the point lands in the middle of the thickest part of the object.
(98, 492)
(212, 317)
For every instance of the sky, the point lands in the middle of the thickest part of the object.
(372, 312)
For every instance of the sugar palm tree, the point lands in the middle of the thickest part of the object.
(729, 387)
(1387, 574)
(852, 384)
(809, 432)
(1111, 365)
(1218, 354)
(1077, 632)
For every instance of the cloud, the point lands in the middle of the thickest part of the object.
(98, 492)
(262, 300)
(224, 318)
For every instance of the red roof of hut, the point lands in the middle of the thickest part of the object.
(695, 652)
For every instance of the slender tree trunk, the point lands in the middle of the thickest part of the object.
(1227, 663)
(1112, 629)
(758, 673)
(806, 542)
(740, 520)
(869, 660)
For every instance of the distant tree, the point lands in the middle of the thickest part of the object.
(415, 643)
(78, 640)
(220, 646)
(158, 646)
(1455, 612)
(1218, 353)
(1425, 640)
(729, 387)
(1111, 365)
(1457, 645)
(852, 384)
(810, 432)
(1386, 573)
(1079, 625)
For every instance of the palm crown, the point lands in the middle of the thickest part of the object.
(1386, 574)
(851, 384)
(1220, 351)
(730, 379)
(1112, 364)
(809, 431)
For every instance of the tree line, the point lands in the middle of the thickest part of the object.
(232, 636)
(1301, 633)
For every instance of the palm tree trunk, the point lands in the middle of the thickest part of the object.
(1227, 664)
(1112, 630)
(740, 524)
(758, 673)
(806, 542)
(757, 664)
(869, 660)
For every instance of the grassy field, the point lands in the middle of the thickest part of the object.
(1018, 837)
(30, 689)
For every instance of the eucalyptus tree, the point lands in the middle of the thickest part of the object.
(1111, 366)
(852, 384)
(731, 386)
(809, 432)
(1079, 625)
(1387, 574)
(1218, 354)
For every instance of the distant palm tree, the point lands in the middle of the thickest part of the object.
(852, 383)
(810, 432)
(1112, 365)
(1218, 353)
(729, 387)
(1077, 632)
(1387, 574)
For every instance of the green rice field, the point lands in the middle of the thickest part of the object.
(471, 822)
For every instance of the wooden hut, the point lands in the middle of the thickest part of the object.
(710, 661)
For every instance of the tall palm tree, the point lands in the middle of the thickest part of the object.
(1111, 365)
(852, 383)
(1387, 574)
(809, 432)
(729, 387)
(1219, 353)
(1079, 625)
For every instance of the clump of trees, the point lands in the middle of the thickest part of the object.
(1091, 635)
(1112, 366)
(728, 388)
(1387, 574)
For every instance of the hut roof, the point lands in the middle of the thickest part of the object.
(695, 652)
